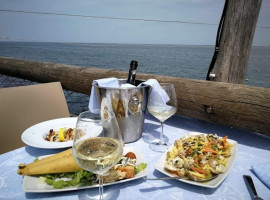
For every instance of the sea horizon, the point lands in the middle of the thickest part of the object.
(117, 43)
(185, 61)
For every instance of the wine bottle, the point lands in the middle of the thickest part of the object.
(132, 72)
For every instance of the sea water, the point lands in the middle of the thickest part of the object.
(186, 61)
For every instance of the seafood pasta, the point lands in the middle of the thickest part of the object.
(198, 157)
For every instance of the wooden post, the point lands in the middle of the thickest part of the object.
(236, 41)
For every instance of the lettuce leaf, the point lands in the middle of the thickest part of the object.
(140, 167)
(81, 178)
(62, 180)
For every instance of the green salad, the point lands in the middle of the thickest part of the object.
(79, 178)
(63, 180)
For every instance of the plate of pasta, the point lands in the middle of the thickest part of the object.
(197, 157)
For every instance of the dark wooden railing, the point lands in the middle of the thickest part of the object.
(233, 105)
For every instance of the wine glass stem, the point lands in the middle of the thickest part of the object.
(161, 134)
(100, 179)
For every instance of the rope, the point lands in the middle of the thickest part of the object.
(116, 18)
(104, 17)
(219, 33)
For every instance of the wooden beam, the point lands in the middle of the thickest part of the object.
(236, 41)
(233, 105)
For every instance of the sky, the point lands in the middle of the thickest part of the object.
(203, 15)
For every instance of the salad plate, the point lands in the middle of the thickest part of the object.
(208, 184)
(35, 135)
(33, 184)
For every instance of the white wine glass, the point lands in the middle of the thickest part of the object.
(162, 110)
(97, 143)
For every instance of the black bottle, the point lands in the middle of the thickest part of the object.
(132, 72)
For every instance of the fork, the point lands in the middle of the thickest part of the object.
(182, 177)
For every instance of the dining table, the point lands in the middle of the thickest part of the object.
(253, 149)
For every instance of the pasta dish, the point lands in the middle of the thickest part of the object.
(198, 157)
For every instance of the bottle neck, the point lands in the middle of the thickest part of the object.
(132, 72)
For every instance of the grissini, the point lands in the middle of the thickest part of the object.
(58, 163)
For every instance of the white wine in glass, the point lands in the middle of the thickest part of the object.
(97, 144)
(162, 110)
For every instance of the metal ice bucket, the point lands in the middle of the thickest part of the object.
(129, 106)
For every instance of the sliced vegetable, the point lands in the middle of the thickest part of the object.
(196, 160)
(224, 141)
(208, 144)
(201, 171)
(209, 150)
(140, 167)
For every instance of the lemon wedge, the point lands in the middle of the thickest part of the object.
(61, 134)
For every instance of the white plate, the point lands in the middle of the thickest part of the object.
(34, 136)
(209, 184)
(30, 183)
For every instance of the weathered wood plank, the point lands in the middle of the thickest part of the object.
(234, 105)
(236, 41)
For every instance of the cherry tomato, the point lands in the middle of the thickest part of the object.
(130, 155)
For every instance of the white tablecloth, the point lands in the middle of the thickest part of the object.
(253, 148)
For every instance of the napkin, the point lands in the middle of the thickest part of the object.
(105, 82)
(157, 92)
(262, 172)
(127, 85)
